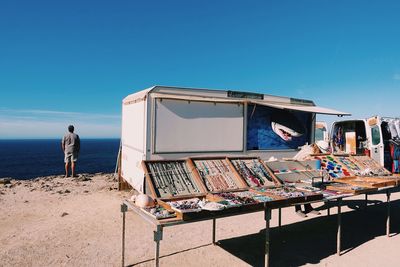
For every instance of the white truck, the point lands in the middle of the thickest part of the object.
(164, 123)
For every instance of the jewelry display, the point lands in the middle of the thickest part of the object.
(253, 172)
(171, 178)
(293, 171)
(216, 174)
(286, 192)
(159, 212)
(370, 182)
(186, 205)
(347, 188)
(333, 167)
(369, 167)
(236, 199)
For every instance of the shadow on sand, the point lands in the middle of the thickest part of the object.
(314, 239)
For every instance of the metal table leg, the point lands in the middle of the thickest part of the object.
(388, 214)
(267, 217)
(280, 217)
(328, 210)
(124, 209)
(157, 238)
(214, 230)
(366, 200)
(339, 226)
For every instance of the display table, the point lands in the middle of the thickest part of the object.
(159, 225)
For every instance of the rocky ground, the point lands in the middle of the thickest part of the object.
(57, 221)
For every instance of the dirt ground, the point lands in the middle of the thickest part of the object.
(56, 221)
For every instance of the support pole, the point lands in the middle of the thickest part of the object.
(158, 234)
(366, 200)
(329, 209)
(124, 209)
(267, 217)
(280, 217)
(339, 226)
(214, 230)
(388, 214)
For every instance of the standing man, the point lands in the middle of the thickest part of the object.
(71, 145)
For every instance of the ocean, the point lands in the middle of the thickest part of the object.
(26, 159)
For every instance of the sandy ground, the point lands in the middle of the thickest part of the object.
(55, 221)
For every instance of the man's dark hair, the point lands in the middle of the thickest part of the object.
(71, 128)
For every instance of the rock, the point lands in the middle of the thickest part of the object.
(86, 191)
(5, 180)
(64, 214)
(67, 191)
(26, 201)
(9, 185)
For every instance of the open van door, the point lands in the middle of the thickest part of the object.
(375, 139)
(321, 131)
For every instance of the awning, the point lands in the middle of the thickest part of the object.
(304, 108)
(289, 106)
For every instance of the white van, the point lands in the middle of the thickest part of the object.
(376, 136)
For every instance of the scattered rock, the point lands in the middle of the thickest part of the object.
(86, 191)
(64, 214)
(26, 201)
(5, 180)
(67, 191)
(9, 185)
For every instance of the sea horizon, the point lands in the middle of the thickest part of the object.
(30, 158)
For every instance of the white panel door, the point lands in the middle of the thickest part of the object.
(197, 126)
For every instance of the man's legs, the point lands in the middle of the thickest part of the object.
(66, 168)
(72, 168)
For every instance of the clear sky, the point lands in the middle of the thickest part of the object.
(65, 62)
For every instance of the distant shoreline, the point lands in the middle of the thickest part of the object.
(47, 139)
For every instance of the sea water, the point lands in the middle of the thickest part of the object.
(26, 159)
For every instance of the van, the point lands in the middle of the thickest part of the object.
(377, 137)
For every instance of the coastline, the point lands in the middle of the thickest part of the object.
(77, 222)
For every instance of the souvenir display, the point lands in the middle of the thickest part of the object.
(348, 188)
(284, 166)
(333, 194)
(254, 172)
(171, 178)
(235, 199)
(159, 212)
(306, 187)
(255, 196)
(292, 171)
(369, 167)
(216, 174)
(186, 205)
(143, 201)
(333, 167)
(211, 205)
(349, 163)
(367, 181)
(290, 192)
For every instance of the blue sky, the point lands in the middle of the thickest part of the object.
(65, 62)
